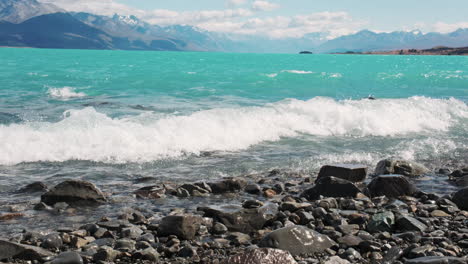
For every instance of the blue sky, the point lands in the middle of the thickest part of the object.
(288, 18)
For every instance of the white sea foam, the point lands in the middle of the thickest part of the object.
(64, 93)
(298, 72)
(271, 75)
(89, 135)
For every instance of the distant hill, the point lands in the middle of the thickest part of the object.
(432, 51)
(366, 40)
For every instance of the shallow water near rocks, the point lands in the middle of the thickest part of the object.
(111, 117)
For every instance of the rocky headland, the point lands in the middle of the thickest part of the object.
(341, 215)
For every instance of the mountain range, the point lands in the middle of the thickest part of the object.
(29, 23)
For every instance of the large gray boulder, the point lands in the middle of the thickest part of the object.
(242, 219)
(349, 172)
(183, 226)
(262, 256)
(75, 193)
(402, 167)
(331, 187)
(14, 250)
(391, 186)
(460, 198)
(298, 240)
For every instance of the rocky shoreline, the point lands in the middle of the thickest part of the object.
(341, 215)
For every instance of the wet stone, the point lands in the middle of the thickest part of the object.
(381, 222)
(131, 232)
(262, 256)
(105, 253)
(297, 240)
(243, 220)
(401, 167)
(350, 172)
(408, 223)
(391, 186)
(460, 198)
(52, 241)
(336, 260)
(68, 258)
(183, 226)
(73, 192)
(437, 260)
(331, 187)
(350, 240)
(24, 252)
(33, 188)
(149, 254)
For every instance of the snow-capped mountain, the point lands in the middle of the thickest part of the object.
(17, 11)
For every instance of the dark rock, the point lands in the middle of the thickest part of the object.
(105, 253)
(462, 181)
(460, 198)
(350, 240)
(293, 206)
(238, 238)
(114, 224)
(228, 185)
(68, 258)
(331, 187)
(151, 192)
(420, 251)
(183, 226)
(187, 252)
(262, 256)
(348, 229)
(149, 254)
(253, 189)
(147, 238)
(24, 252)
(74, 193)
(437, 260)
(243, 220)
(297, 240)
(391, 186)
(336, 260)
(369, 246)
(381, 222)
(202, 189)
(250, 204)
(349, 172)
(219, 229)
(33, 188)
(401, 167)
(125, 245)
(459, 173)
(52, 241)
(42, 206)
(132, 232)
(392, 255)
(408, 223)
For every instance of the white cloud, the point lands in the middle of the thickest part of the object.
(447, 28)
(260, 5)
(231, 20)
(236, 2)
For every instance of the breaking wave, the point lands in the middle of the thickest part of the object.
(86, 134)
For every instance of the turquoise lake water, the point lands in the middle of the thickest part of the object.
(110, 116)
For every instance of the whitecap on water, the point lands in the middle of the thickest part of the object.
(64, 93)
